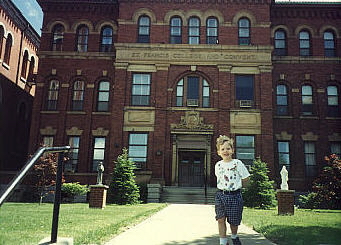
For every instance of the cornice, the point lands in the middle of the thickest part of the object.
(327, 11)
(199, 1)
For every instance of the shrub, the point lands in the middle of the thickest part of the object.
(309, 201)
(74, 189)
(260, 192)
(123, 188)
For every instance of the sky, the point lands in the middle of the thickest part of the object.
(33, 13)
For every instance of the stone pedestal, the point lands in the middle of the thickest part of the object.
(285, 200)
(98, 196)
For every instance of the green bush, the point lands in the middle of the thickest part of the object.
(123, 188)
(260, 192)
(309, 201)
(73, 189)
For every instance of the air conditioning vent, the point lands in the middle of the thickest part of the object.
(245, 103)
(192, 102)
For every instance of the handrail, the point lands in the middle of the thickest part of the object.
(22, 173)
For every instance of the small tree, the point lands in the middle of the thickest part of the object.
(328, 185)
(260, 192)
(44, 174)
(123, 188)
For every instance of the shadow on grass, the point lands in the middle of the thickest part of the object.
(246, 239)
(298, 235)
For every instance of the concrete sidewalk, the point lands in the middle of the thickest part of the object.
(183, 224)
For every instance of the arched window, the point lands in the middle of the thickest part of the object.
(82, 38)
(143, 30)
(282, 100)
(193, 91)
(2, 36)
(175, 30)
(212, 31)
(103, 96)
(31, 69)
(106, 39)
(333, 101)
(329, 44)
(58, 37)
(280, 43)
(304, 43)
(194, 30)
(24, 65)
(307, 100)
(77, 96)
(244, 32)
(52, 95)
(8, 49)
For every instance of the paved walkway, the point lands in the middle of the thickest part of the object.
(183, 224)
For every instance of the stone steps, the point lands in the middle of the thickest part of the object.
(190, 195)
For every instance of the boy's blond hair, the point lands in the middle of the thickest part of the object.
(222, 139)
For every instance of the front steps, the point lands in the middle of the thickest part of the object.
(190, 195)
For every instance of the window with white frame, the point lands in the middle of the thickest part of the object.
(143, 29)
(329, 44)
(58, 37)
(106, 39)
(138, 149)
(98, 152)
(48, 140)
(245, 148)
(304, 37)
(281, 100)
(307, 100)
(140, 95)
(77, 96)
(335, 148)
(310, 158)
(333, 101)
(212, 30)
(176, 30)
(72, 163)
(52, 95)
(82, 38)
(244, 31)
(283, 154)
(194, 30)
(244, 91)
(103, 96)
(280, 43)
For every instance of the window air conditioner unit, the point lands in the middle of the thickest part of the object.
(245, 103)
(192, 102)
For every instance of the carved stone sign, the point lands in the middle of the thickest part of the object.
(192, 121)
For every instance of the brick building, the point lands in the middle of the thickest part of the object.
(19, 43)
(166, 78)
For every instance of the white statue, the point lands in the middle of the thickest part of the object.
(100, 170)
(284, 176)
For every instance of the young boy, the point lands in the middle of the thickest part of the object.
(231, 175)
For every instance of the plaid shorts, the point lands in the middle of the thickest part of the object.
(229, 205)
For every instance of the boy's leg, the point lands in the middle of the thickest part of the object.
(234, 229)
(235, 238)
(222, 227)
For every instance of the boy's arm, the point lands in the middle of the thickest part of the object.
(245, 182)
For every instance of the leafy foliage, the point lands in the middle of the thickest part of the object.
(73, 189)
(260, 192)
(44, 174)
(123, 189)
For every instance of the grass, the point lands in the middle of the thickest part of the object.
(305, 227)
(28, 223)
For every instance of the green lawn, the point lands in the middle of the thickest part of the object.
(28, 223)
(305, 227)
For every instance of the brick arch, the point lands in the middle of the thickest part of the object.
(305, 27)
(112, 24)
(214, 13)
(189, 73)
(83, 22)
(195, 13)
(329, 27)
(244, 13)
(10, 33)
(49, 27)
(144, 11)
(173, 13)
(284, 27)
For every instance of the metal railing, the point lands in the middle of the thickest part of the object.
(22, 173)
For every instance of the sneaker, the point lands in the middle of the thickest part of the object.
(236, 241)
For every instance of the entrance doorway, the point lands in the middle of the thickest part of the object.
(191, 168)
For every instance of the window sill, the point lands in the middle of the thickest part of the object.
(49, 112)
(101, 113)
(7, 67)
(309, 117)
(76, 112)
(333, 118)
(283, 117)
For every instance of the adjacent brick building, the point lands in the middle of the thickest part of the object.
(166, 78)
(19, 44)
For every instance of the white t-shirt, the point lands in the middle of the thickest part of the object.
(230, 174)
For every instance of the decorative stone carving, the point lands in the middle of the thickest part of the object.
(192, 121)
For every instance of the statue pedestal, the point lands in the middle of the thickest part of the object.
(98, 196)
(285, 200)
